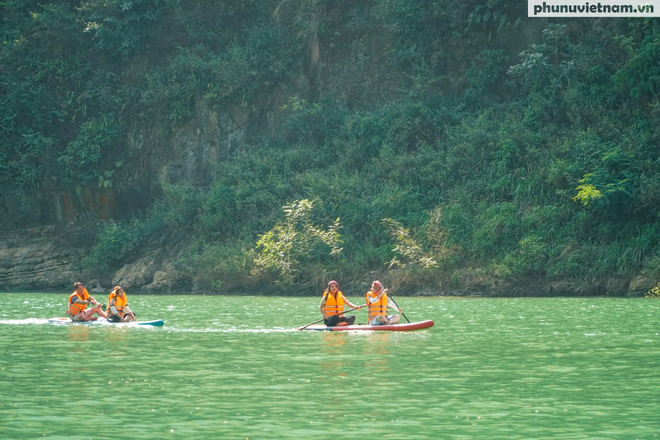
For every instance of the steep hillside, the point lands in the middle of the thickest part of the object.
(463, 146)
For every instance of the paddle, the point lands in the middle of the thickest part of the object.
(316, 322)
(397, 306)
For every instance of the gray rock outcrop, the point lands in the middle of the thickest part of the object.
(165, 280)
(151, 274)
(640, 285)
(37, 258)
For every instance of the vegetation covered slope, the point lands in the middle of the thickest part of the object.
(460, 144)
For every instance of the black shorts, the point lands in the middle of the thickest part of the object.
(336, 319)
(114, 318)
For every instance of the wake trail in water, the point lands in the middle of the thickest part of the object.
(56, 322)
(104, 323)
(24, 321)
(231, 330)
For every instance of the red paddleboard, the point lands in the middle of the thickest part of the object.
(377, 328)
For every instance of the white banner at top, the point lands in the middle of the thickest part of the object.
(602, 8)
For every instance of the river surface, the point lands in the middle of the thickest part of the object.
(232, 367)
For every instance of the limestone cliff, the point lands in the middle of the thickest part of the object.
(38, 259)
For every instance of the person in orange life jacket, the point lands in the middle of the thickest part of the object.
(118, 310)
(78, 302)
(332, 305)
(377, 305)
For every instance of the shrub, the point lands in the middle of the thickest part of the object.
(294, 242)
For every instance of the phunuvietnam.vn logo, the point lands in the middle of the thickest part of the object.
(603, 8)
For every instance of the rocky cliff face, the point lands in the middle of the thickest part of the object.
(38, 258)
(152, 273)
(183, 153)
(47, 258)
(43, 257)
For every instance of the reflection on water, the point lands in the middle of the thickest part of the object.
(376, 360)
(332, 347)
(236, 368)
(77, 334)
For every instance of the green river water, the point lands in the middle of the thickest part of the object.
(232, 367)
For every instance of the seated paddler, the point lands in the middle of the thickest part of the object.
(377, 306)
(78, 302)
(332, 306)
(118, 310)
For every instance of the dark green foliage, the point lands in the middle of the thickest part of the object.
(119, 241)
(538, 141)
(73, 73)
(82, 156)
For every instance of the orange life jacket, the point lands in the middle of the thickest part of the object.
(334, 305)
(74, 309)
(120, 303)
(377, 308)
